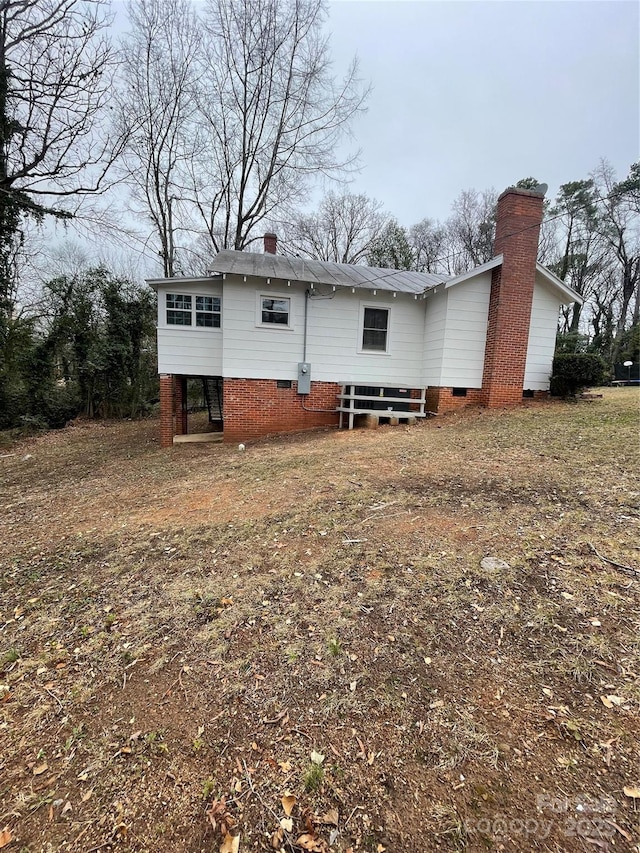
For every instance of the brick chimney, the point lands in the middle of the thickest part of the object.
(270, 244)
(518, 223)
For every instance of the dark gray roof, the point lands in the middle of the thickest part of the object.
(286, 268)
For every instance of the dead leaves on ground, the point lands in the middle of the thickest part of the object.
(225, 823)
(308, 839)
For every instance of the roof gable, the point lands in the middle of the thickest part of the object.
(569, 294)
(566, 293)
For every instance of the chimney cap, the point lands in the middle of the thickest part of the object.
(539, 191)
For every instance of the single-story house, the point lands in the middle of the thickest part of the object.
(285, 343)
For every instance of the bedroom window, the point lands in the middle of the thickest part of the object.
(275, 310)
(178, 309)
(208, 312)
(375, 329)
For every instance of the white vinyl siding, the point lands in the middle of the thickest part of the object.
(334, 345)
(334, 335)
(434, 332)
(466, 332)
(455, 334)
(253, 350)
(189, 350)
(542, 336)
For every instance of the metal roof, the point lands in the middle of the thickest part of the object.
(286, 268)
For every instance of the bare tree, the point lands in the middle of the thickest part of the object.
(620, 227)
(342, 230)
(56, 67)
(56, 64)
(580, 254)
(472, 228)
(271, 111)
(158, 115)
(428, 240)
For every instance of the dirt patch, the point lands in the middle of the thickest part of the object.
(206, 627)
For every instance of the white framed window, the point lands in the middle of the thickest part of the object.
(203, 312)
(208, 312)
(374, 329)
(274, 310)
(179, 309)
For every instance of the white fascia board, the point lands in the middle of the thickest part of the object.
(568, 292)
(465, 276)
(156, 283)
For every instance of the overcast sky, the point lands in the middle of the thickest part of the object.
(481, 94)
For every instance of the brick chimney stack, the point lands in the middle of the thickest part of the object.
(270, 244)
(518, 223)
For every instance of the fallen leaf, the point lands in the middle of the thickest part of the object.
(568, 596)
(330, 818)
(40, 769)
(632, 791)
(67, 807)
(352, 686)
(307, 841)
(285, 766)
(609, 701)
(277, 838)
(317, 757)
(288, 802)
(87, 795)
(286, 823)
(595, 622)
(230, 844)
(5, 837)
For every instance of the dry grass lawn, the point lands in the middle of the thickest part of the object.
(189, 636)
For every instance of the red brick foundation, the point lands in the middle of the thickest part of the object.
(517, 230)
(257, 407)
(442, 399)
